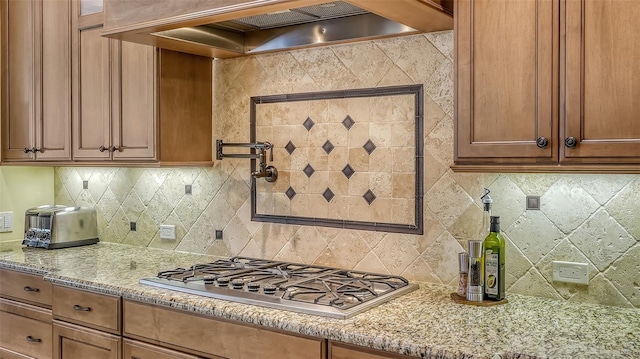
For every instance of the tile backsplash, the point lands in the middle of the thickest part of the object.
(583, 218)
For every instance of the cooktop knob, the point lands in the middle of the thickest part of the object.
(253, 287)
(269, 289)
(237, 284)
(222, 281)
(208, 280)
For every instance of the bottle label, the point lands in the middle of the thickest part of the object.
(491, 270)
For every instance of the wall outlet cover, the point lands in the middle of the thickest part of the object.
(6, 221)
(167, 231)
(571, 272)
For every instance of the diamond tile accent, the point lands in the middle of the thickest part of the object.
(328, 147)
(328, 194)
(309, 171)
(369, 147)
(290, 193)
(308, 123)
(348, 122)
(348, 171)
(369, 197)
(290, 147)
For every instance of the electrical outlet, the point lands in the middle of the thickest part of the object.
(570, 272)
(6, 221)
(167, 231)
(85, 184)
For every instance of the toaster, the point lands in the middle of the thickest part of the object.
(54, 226)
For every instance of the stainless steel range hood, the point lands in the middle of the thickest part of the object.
(249, 27)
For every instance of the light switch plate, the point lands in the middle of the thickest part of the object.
(167, 231)
(6, 221)
(571, 272)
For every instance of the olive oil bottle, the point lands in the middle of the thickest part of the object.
(494, 258)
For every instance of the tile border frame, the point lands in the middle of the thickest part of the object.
(418, 226)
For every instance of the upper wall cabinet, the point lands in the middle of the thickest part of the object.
(547, 85)
(36, 80)
(135, 104)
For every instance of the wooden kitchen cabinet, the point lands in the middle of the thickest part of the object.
(25, 316)
(547, 85)
(347, 351)
(72, 342)
(133, 349)
(36, 80)
(138, 104)
(184, 332)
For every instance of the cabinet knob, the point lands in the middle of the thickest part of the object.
(102, 148)
(31, 339)
(114, 149)
(542, 142)
(27, 150)
(30, 289)
(570, 142)
(36, 149)
(81, 308)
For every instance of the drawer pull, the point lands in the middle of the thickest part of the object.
(29, 289)
(31, 339)
(82, 309)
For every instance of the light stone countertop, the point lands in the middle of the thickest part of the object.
(424, 323)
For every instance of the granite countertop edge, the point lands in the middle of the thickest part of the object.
(424, 323)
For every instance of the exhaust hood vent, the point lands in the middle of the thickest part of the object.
(254, 26)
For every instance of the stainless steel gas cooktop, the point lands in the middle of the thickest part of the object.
(310, 289)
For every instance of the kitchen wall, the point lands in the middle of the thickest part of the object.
(583, 218)
(22, 188)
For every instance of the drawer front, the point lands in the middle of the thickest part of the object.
(94, 310)
(75, 342)
(138, 350)
(223, 339)
(26, 287)
(25, 336)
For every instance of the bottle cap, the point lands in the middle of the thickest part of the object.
(463, 261)
(475, 249)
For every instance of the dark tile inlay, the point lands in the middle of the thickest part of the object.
(308, 123)
(348, 122)
(369, 197)
(290, 193)
(309, 171)
(328, 194)
(290, 147)
(328, 147)
(348, 171)
(369, 147)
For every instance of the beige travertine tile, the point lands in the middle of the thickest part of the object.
(133, 206)
(339, 207)
(379, 210)
(300, 205)
(146, 228)
(117, 229)
(602, 239)
(371, 263)
(328, 259)
(601, 291)
(285, 68)
(567, 204)
(381, 183)
(268, 240)
(107, 206)
(625, 275)
(299, 181)
(244, 215)
(173, 188)
(84, 172)
(534, 234)
(358, 184)
(359, 109)
(474, 183)
(403, 211)
(99, 182)
(508, 201)
(319, 182)
(318, 135)
(365, 60)
(443, 41)
(85, 200)
(404, 185)
(318, 206)
(281, 204)
(288, 254)
(395, 77)
(381, 160)
(433, 114)
(219, 248)
(403, 134)
(358, 135)
(281, 136)
(336, 111)
(534, 184)
(338, 183)
(236, 235)
(442, 256)
(148, 184)
(62, 197)
(469, 225)
(359, 209)
(349, 248)
(433, 171)
(318, 110)
(415, 55)
(404, 159)
(169, 244)
(440, 87)
(307, 244)
(380, 134)
(322, 65)
(338, 158)
(264, 203)
(532, 283)
(396, 252)
(74, 185)
(235, 191)
(516, 264)
(439, 142)
(419, 270)
(359, 159)
(337, 134)
(254, 80)
(226, 71)
(625, 206)
(318, 158)
(447, 200)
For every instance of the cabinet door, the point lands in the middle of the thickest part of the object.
(25, 335)
(602, 88)
(134, 105)
(139, 350)
(18, 86)
(53, 130)
(73, 342)
(506, 94)
(93, 95)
